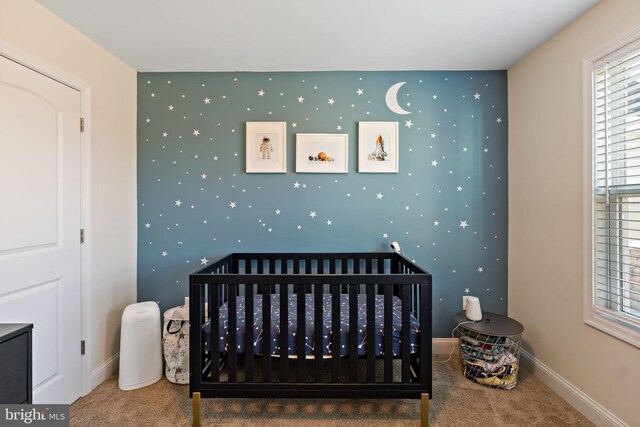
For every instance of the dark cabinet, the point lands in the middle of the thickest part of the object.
(15, 363)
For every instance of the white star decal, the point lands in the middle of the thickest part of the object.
(338, 127)
(329, 222)
(296, 184)
(464, 149)
(407, 208)
(464, 224)
(207, 100)
(270, 230)
(408, 123)
(480, 269)
(196, 132)
(215, 157)
(294, 125)
(476, 95)
(277, 211)
(331, 101)
(204, 261)
(385, 235)
(147, 225)
(359, 91)
(459, 188)
(170, 107)
(203, 176)
(313, 214)
(260, 92)
(433, 136)
(300, 99)
(467, 290)
(434, 163)
(165, 134)
(148, 120)
(178, 202)
(499, 120)
(153, 95)
(232, 205)
(299, 227)
(379, 196)
(435, 96)
(164, 253)
(436, 223)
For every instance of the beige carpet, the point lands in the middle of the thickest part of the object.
(456, 402)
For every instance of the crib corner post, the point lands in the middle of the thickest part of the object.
(424, 410)
(195, 401)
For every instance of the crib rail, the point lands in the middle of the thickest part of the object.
(387, 275)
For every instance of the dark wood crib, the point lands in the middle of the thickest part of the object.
(339, 300)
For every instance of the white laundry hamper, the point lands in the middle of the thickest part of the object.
(140, 346)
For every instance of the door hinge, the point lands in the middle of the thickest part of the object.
(81, 124)
(81, 235)
(82, 348)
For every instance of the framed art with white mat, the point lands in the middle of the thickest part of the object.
(266, 150)
(378, 147)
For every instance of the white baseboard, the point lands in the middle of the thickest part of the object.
(596, 413)
(444, 345)
(104, 371)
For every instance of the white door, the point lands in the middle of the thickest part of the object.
(40, 224)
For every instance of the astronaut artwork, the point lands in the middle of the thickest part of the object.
(266, 148)
(378, 154)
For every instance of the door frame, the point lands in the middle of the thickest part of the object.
(42, 67)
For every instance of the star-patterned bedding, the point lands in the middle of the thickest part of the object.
(310, 341)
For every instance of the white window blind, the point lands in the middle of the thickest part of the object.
(616, 169)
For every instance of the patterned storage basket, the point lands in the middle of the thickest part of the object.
(175, 340)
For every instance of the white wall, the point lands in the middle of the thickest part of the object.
(30, 28)
(545, 213)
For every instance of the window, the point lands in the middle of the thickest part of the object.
(612, 297)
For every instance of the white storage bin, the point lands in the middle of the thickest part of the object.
(140, 346)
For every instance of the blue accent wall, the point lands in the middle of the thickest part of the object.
(447, 206)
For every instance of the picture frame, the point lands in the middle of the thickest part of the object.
(378, 147)
(266, 147)
(322, 153)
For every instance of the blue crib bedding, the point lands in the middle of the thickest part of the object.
(414, 332)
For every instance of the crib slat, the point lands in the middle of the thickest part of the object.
(335, 331)
(300, 335)
(318, 333)
(214, 336)
(266, 333)
(425, 338)
(284, 329)
(353, 332)
(308, 270)
(405, 295)
(345, 270)
(232, 340)
(388, 334)
(371, 332)
(248, 333)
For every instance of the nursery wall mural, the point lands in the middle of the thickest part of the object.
(414, 157)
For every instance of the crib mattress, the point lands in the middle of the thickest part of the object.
(310, 341)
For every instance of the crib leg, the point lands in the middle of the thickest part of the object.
(424, 410)
(195, 401)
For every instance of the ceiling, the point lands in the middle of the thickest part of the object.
(302, 35)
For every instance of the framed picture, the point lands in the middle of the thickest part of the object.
(266, 147)
(378, 147)
(322, 152)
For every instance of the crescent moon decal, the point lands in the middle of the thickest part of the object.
(392, 99)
